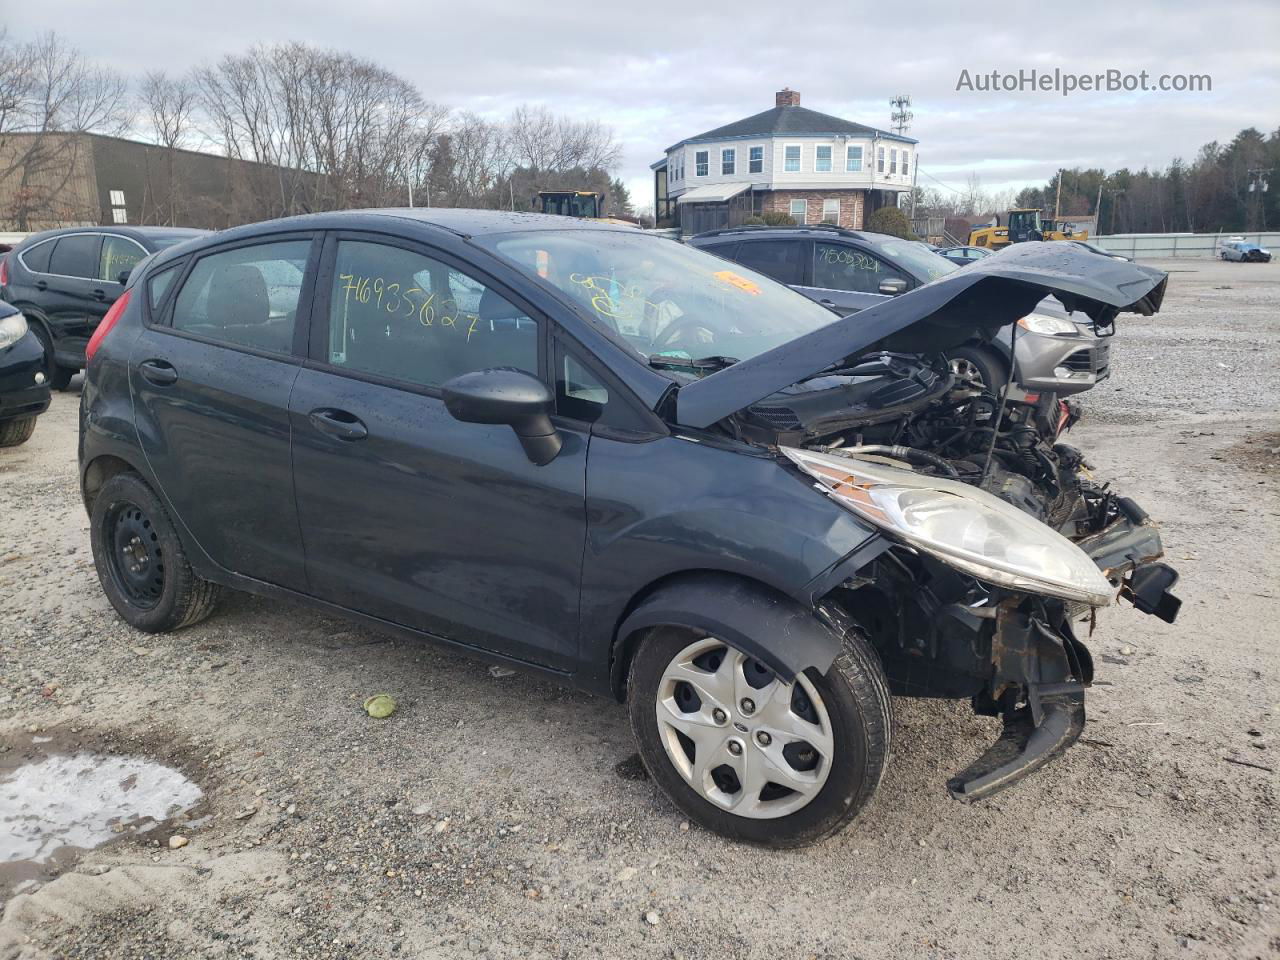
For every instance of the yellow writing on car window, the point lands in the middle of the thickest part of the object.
(852, 258)
(737, 280)
(378, 293)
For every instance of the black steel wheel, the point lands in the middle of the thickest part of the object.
(136, 557)
(141, 563)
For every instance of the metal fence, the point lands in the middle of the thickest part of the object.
(1151, 246)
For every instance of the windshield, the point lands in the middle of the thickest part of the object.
(916, 258)
(662, 297)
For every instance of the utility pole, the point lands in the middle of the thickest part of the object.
(1057, 202)
(915, 173)
(901, 115)
(1257, 187)
(1097, 210)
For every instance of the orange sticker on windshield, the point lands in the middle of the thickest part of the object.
(742, 283)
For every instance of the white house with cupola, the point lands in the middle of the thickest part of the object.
(816, 167)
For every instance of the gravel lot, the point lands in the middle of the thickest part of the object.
(490, 816)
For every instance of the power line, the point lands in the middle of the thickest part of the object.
(938, 182)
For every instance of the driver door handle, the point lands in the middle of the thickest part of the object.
(338, 423)
(158, 372)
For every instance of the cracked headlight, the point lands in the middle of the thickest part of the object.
(1042, 323)
(12, 329)
(961, 525)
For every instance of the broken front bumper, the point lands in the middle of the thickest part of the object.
(1041, 670)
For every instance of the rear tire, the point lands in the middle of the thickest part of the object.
(141, 564)
(852, 699)
(14, 432)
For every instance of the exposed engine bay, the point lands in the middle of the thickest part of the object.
(939, 418)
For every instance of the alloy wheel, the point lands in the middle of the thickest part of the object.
(744, 739)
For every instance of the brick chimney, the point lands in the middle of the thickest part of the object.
(786, 97)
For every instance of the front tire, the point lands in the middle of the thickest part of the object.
(993, 368)
(14, 432)
(749, 756)
(141, 564)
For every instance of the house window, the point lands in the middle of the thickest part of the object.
(800, 210)
(701, 163)
(893, 162)
(755, 160)
(117, 198)
(831, 211)
(853, 159)
(906, 164)
(728, 161)
(119, 215)
(791, 158)
(822, 158)
(880, 160)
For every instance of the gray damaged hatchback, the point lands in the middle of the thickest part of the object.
(655, 474)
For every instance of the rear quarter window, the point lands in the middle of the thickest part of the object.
(36, 258)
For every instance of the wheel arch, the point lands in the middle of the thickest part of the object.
(738, 609)
(100, 470)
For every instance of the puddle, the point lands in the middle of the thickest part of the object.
(54, 806)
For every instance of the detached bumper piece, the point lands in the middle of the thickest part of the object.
(1131, 545)
(1041, 672)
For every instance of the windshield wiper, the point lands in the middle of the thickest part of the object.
(701, 365)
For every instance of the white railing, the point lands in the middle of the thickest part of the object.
(1150, 246)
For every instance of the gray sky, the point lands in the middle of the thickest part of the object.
(660, 72)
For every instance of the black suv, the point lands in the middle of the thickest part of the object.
(64, 281)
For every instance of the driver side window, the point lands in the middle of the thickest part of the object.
(841, 267)
(399, 314)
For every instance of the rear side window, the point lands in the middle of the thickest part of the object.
(76, 255)
(779, 259)
(37, 257)
(158, 285)
(119, 255)
(400, 314)
(840, 267)
(247, 296)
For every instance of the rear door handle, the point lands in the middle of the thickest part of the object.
(41, 285)
(338, 423)
(159, 372)
(99, 295)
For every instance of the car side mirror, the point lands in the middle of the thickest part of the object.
(503, 395)
(893, 286)
(123, 278)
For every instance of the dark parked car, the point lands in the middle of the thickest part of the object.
(24, 389)
(963, 256)
(847, 271)
(64, 281)
(622, 461)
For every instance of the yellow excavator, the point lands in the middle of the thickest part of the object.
(1020, 226)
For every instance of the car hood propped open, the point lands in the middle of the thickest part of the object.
(980, 299)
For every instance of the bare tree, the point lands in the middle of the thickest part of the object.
(169, 104)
